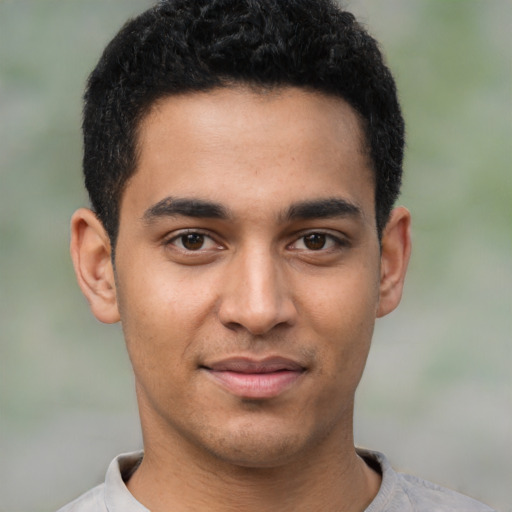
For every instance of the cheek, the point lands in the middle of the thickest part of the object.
(342, 313)
(160, 315)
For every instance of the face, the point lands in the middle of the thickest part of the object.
(248, 272)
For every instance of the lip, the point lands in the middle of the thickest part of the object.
(255, 378)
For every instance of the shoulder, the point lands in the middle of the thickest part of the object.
(427, 496)
(91, 501)
(113, 495)
(408, 493)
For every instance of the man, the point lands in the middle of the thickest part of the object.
(243, 158)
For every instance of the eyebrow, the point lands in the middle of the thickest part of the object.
(323, 209)
(197, 208)
(202, 209)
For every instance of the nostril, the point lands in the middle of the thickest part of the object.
(256, 323)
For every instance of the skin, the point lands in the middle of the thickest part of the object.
(280, 259)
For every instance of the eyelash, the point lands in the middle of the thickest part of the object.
(334, 242)
(182, 234)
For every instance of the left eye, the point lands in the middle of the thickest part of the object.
(315, 242)
(193, 241)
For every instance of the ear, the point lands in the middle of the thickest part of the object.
(395, 253)
(91, 255)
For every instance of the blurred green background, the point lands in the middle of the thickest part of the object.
(437, 394)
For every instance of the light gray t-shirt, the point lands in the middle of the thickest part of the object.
(398, 492)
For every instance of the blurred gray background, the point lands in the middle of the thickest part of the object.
(437, 394)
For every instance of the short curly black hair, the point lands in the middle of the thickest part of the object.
(181, 46)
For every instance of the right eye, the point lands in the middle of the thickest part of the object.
(193, 241)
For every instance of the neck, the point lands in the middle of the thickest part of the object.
(174, 475)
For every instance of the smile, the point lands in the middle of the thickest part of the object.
(253, 379)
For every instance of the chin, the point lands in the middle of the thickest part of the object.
(256, 453)
(258, 446)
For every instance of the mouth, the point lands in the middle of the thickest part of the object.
(255, 379)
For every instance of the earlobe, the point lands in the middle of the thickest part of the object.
(395, 254)
(91, 254)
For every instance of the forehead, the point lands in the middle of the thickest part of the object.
(236, 144)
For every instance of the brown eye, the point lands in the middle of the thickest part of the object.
(315, 241)
(192, 241)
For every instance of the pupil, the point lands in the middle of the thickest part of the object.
(192, 241)
(315, 241)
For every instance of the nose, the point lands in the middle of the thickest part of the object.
(256, 295)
